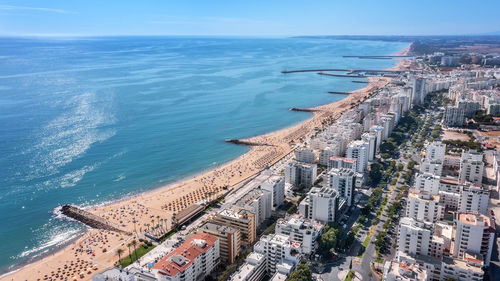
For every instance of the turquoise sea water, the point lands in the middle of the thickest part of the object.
(88, 120)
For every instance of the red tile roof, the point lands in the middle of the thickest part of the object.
(186, 253)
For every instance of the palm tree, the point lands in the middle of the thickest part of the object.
(129, 253)
(134, 243)
(119, 252)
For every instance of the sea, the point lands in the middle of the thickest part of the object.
(87, 120)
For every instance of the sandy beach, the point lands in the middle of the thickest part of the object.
(153, 210)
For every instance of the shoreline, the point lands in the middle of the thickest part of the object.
(165, 200)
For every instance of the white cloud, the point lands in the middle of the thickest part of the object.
(24, 8)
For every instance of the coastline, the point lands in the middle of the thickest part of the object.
(164, 201)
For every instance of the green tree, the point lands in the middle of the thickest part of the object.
(329, 241)
(134, 243)
(302, 273)
(119, 252)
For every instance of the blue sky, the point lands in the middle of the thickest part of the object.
(248, 18)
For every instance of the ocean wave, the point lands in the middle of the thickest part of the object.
(56, 239)
(71, 134)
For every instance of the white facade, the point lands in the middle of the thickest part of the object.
(298, 229)
(257, 201)
(371, 140)
(300, 174)
(436, 151)
(253, 269)
(423, 206)
(278, 249)
(471, 167)
(428, 183)
(343, 181)
(474, 234)
(474, 199)
(305, 155)
(358, 150)
(414, 237)
(320, 204)
(276, 186)
(431, 167)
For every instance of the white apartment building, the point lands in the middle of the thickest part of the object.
(254, 268)
(474, 235)
(279, 251)
(449, 199)
(414, 237)
(378, 131)
(423, 206)
(257, 201)
(305, 155)
(454, 117)
(299, 229)
(320, 204)
(468, 268)
(424, 238)
(428, 183)
(371, 140)
(343, 181)
(302, 174)
(276, 186)
(471, 167)
(474, 199)
(431, 167)
(358, 150)
(193, 260)
(435, 151)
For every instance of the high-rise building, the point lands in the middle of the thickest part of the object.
(299, 229)
(427, 183)
(435, 151)
(320, 204)
(276, 186)
(474, 199)
(371, 140)
(423, 206)
(229, 240)
(305, 155)
(257, 201)
(454, 117)
(418, 91)
(243, 220)
(471, 167)
(279, 251)
(343, 181)
(300, 174)
(358, 150)
(474, 234)
(414, 237)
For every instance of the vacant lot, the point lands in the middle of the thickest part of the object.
(452, 135)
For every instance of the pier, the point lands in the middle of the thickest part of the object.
(377, 57)
(344, 75)
(248, 143)
(90, 219)
(302, 109)
(339, 93)
(340, 70)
